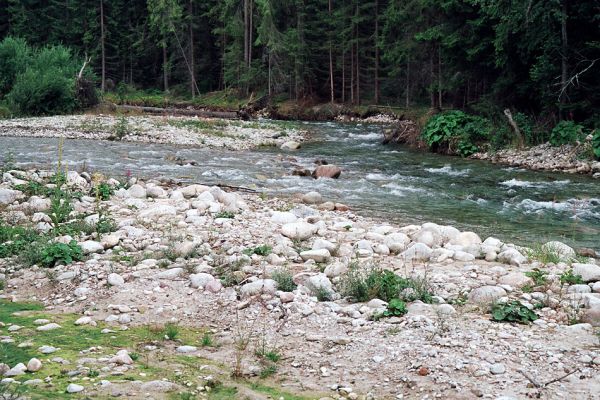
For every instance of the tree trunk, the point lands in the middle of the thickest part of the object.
(246, 37)
(431, 80)
(352, 71)
(515, 127)
(250, 30)
(344, 77)
(407, 82)
(376, 51)
(331, 59)
(102, 47)
(165, 66)
(564, 59)
(439, 77)
(357, 63)
(192, 60)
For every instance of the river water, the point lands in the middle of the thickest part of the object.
(390, 182)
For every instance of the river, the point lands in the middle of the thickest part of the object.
(390, 182)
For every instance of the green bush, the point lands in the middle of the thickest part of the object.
(15, 239)
(103, 191)
(596, 143)
(60, 253)
(395, 308)
(513, 311)
(566, 132)
(284, 279)
(456, 132)
(15, 55)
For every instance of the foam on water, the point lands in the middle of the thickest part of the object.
(578, 208)
(527, 184)
(448, 170)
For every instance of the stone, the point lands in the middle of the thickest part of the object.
(200, 280)
(158, 211)
(579, 289)
(417, 252)
(286, 297)
(91, 246)
(47, 349)
(137, 192)
(512, 257)
(466, 239)
(282, 218)
(290, 146)
(486, 294)
(335, 269)
(319, 256)
(184, 249)
(48, 327)
(565, 252)
(327, 171)
(115, 279)
(111, 240)
(298, 230)
(74, 388)
(186, 349)
(34, 365)
(84, 321)
(170, 274)
(312, 198)
(9, 196)
(428, 237)
(319, 281)
(588, 272)
(515, 279)
(155, 192)
(320, 244)
(122, 358)
(397, 242)
(497, 369)
(259, 286)
(158, 387)
(17, 370)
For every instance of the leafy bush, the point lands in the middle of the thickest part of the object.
(284, 279)
(15, 239)
(566, 132)
(539, 276)
(364, 285)
(596, 143)
(60, 253)
(103, 191)
(569, 278)
(15, 54)
(456, 132)
(513, 311)
(395, 308)
(263, 250)
(60, 207)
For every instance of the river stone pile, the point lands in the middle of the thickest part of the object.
(198, 257)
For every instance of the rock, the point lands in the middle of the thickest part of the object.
(298, 230)
(122, 358)
(137, 192)
(579, 289)
(91, 246)
(319, 256)
(47, 349)
(155, 192)
(214, 286)
(327, 171)
(85, 321)
(417, 252)
(565, 252)
(74, 388)
(34, 365)
(201, 280)
(466, 239)
(184, 249)
(170, 274)
(9, 196)
(259, 286)
(341, 207)
(588, 272)
(486, 294)
(290, 146)
(320, 244)
(115, 279)
(110, 241)
(158, 387)
(193, 190)
(397, 242)
(319, 281)
(515, 279)
(158, 211)
(335, 269)
(512, 257)
(282, 218)
(186, 349)
(66, 276)
(48, 327)
(312, 198)
(428, 237)
(497, 369)
(17, 370)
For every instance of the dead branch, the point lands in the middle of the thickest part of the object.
(515, 127)
(85, 63)
(574, 80)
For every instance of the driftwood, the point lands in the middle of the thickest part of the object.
(179, 111)
(515, 128)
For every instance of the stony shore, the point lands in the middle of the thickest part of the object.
(201, 132)
(258, 273)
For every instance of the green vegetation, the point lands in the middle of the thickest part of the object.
(513, 311)
(596, 143)
(60, 253)
(207, 340)
(455, 132)
(263, 250)
(284, 279)
(365, 284)
(540, 277)
(320, 292)
(102, 191)
(569, 278)
(545, 254)
(225, 214)
(566, 132)
(171, 331)
(395, 308)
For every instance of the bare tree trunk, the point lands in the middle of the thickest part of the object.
(246, 37)
(250, 30)
(407, 82)
(331, 59)
(344, 77)
(102, 47)
(192, 60)
(564, 59)
(376, 51)
(165, 66)
(431, 79)
(357, 63)
(440, 77)
(270, 87)
(515, 127)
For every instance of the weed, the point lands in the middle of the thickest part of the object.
(2, 285)
(15, 239)
(60, 253)
(134, 356)
(513, 311)
(320, 292)
(60, 207)
(284, 279)
(395, 308)
(92, 373)
(8, 163)
(263, 250)
(268, 371)
(225, 214)
(539, 276)
(103, 191)
(121, 128)
(569, 278)
(171, 331)
(546, 254)
(207, 340)
(32, 188)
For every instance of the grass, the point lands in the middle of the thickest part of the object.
(171, 331)
(263, 250)
(284, 279)
(539, 277)
(207, 340)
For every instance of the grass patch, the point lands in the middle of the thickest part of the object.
(284, 279)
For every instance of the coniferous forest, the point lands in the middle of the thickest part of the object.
(538, 57)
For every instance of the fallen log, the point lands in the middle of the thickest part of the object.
(180, 111)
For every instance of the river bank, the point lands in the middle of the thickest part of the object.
(198, 132)
(257, 272)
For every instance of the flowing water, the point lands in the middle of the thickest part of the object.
(389, 182)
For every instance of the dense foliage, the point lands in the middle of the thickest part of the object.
(37, 81)
(539, 57)
(456, 132)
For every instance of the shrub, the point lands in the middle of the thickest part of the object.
(566, 132)
(596, 144)
(569, 278)
(539, 276)
(60, 253)
(263, 250)
(15, 55)
(102, 191)
(456, 132)
(171, 331)
(60, 207)
(395, 308)
(320, 292)
(513, 311)
(284, 279)
(15, 239)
